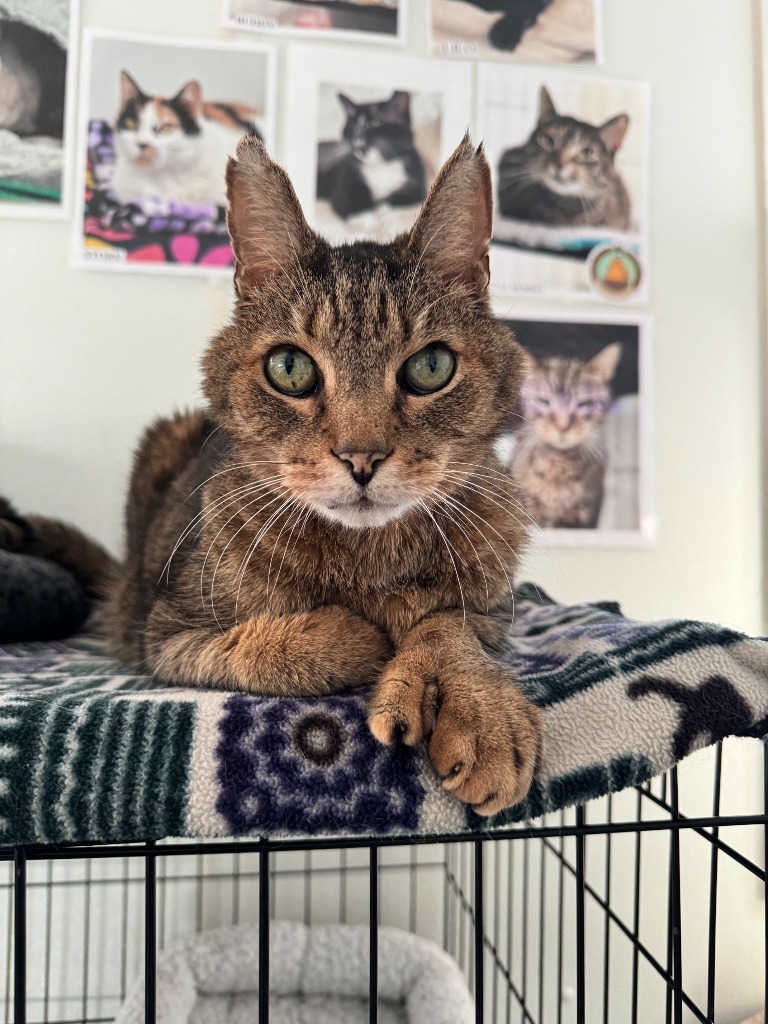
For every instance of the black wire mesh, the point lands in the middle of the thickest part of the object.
(645, 907)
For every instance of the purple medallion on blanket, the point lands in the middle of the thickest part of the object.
(312, 766)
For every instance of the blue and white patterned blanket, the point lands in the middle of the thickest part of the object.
(91, 753)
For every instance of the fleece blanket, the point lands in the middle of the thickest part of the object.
(318, 974)
(90, 752)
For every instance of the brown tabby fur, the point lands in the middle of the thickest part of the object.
(299, 604)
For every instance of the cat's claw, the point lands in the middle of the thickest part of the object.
(483, 737)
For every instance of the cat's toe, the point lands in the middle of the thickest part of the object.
(403, 706)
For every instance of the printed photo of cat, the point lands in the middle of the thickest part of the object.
(382, 126)
(370, 20)
(569, 156)
(375, 162)
(576, 441)
(34, 95)
(531, 31)
(163, 120)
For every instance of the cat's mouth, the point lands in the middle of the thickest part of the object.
(363, 511)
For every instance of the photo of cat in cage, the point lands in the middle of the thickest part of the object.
(578, 440)
(530, 31)
(36, 96)
(569, 158)
(383, 126)
(160, 121)
(368, 20)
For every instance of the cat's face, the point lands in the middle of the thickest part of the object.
(154, 133)
(388, 351)
(571, 157)
(372, 129)
(565, 400)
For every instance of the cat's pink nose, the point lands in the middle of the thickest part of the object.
(362, 465)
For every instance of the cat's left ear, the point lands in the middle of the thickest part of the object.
(612, 132)
(606, 362)
(191, 98)
(266, 224)
(453, 230)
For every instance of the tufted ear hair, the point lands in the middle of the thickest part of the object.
(453, 230)
(264, 217)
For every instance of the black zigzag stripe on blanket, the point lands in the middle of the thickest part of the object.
(90, 752)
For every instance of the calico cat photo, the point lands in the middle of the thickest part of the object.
(573, 444)
(375, 161)
(565, 174)
(336, 516)
(175, 147)
(33, 102)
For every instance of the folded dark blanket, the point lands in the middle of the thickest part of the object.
(39, 600)
(92, 752)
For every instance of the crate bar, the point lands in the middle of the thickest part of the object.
(675, 909)
(264, 934)
(636, 912)
(765, 861)
(713, 866)
(479, 935)
(77, 852)
(373, 935)
(607, 932)
(581, 971)
(560, 921)
(150, 934)
(19, 935)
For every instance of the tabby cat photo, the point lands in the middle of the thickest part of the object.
(336, 515)
(573, 442)
(163, 119)
(33, 96)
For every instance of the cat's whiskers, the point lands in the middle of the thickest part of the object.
(448, 548)
(465, 512)
(298, 508)
(484, 491)
(442, 508)
(415, 270)
(213, 542)
(287, 506)
(199, 519)
(238, 465)
(299, 519)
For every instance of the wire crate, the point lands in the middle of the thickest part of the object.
(623, 911)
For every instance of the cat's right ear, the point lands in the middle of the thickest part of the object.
(350, 107)
(129, 90)
(264, 217)
(547, 110)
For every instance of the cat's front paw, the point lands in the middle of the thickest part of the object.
(483, 736)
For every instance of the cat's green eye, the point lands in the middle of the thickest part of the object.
(130, 123)
(546, 141)
(429, 370)
(290, 371)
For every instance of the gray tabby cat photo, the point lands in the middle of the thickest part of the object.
(33, 79)
(573, 441)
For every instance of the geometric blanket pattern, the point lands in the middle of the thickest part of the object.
(91, 752)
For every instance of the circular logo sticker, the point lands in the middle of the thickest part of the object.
(614, 272)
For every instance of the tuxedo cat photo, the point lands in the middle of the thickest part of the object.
(375, 157)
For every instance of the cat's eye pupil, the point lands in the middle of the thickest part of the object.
(291, 371)
(429, 370)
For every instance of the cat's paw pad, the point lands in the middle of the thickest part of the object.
(486, 742)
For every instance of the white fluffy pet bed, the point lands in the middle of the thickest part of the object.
(318, 975)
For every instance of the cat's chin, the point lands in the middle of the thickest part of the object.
(362, 514)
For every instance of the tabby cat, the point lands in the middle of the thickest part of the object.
(565, 173)
(33, 70)
(337, 515)
(559, 458)
(175, 149)
(517, 16)
(376, 160)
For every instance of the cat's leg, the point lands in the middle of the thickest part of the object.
(507, 32)
(483, 736)
(299, 655)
